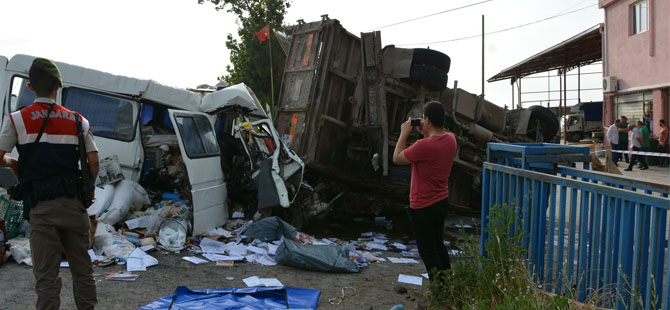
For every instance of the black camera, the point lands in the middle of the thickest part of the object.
(416, 122)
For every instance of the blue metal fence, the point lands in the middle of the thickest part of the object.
(586, 232)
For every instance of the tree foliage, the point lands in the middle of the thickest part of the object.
(250, 60)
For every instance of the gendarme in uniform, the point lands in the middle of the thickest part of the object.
(47, 171)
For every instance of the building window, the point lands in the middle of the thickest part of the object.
(640, 14)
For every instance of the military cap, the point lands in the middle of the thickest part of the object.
(48, 67)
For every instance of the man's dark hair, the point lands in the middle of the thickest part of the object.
(434, 111)
(662, 121)
(639, 123)
(42, 82)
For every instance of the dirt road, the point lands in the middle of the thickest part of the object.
(374, 285)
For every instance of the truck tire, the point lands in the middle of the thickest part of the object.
(431, 77)
(576, 137)
(548, 122)
(424, 56)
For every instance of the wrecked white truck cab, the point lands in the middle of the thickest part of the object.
(175, 140)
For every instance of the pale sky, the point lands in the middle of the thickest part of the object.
(182, 44)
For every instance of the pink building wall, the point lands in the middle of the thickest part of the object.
(640, 62)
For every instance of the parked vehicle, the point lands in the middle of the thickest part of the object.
(587, 120)
(344, 97)
(208, 146)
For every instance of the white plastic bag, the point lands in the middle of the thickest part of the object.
(111, 243)
(20, 250)
(172, 234)
(103, 198)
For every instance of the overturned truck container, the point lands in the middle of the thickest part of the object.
(344, 97)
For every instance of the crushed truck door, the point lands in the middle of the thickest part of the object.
(201, 155)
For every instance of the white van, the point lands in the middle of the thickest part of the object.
(205, 146)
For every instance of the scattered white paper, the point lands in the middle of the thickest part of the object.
(219, 232)
(399, 246)
(425, 275)
(237, 249)
(142, 221)
(238, 215)
(278, 242)
(261, 259)
(64, 265)
(134, 264)
(212, 246)
(402, 260)
(403, 278)
(380, 241)
(455, 252)
(138, 260)
(272, 249)
(375, 246)
(462, 226)
(257, 250)
(195, 260)
(256, 281)
(216, 257)
(412, 254)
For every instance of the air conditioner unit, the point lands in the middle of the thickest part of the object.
(610, 84)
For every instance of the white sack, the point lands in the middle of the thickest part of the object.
(121, 202)
(103, 198)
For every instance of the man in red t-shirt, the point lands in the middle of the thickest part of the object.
(431, 159)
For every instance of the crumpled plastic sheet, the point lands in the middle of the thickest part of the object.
(252, 298)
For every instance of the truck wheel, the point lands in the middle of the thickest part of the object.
(431, 77)
(424, 56)
(576, 137)
(549, 122)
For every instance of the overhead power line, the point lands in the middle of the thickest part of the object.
(430, 15)
(499, 31)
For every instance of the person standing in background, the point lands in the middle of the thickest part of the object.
(623, 137)
(613, 138)
(663, 143)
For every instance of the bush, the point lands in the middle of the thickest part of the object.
(502, 280)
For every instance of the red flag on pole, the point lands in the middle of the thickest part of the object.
(264, 34)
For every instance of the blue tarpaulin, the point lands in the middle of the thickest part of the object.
(252, 298)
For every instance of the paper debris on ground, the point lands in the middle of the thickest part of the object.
(122, 277)
(455, 252)
(218, 257)
(219, 232)
(238, 215)
(425, 275)
(403, 278)
(256, 281)
(401, 260)
(257, 250)
(138, 260)
(272, 249)
(212, 246)
(261, 259)
(412, 254)
(375, 246)
(64, 265)
(195, 260)
(372, 258)
(399, 246)
(237, 249)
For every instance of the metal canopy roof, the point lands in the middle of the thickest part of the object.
(580, 50)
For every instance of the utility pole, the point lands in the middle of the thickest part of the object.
(482, 55)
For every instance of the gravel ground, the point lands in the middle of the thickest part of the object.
(374, 285)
